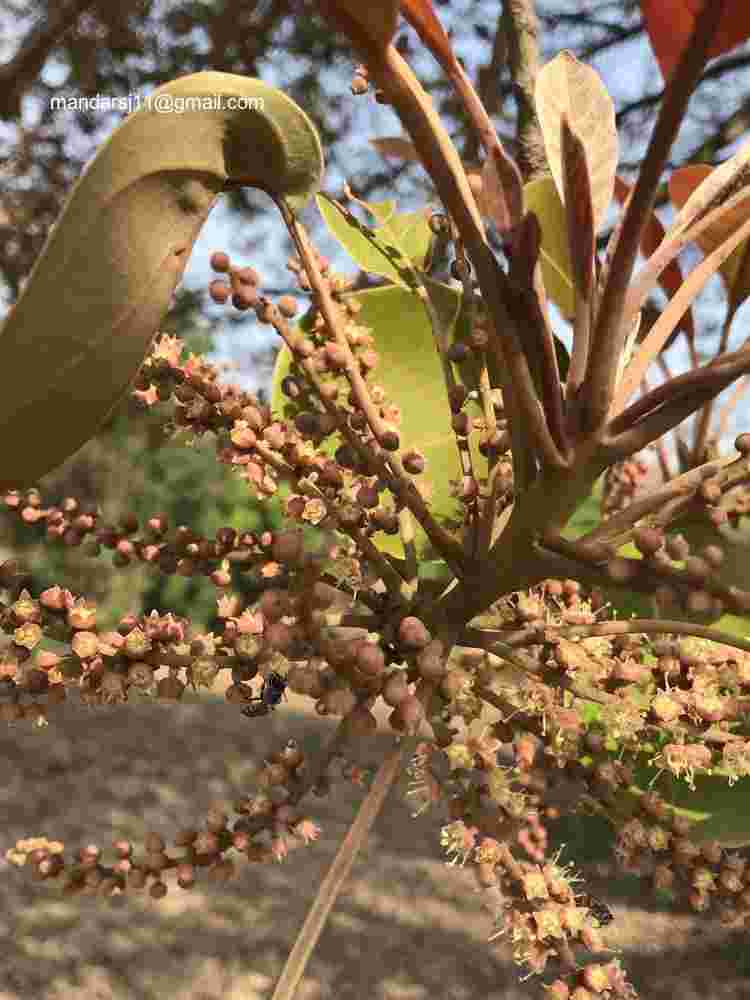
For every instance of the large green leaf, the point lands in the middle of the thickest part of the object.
(541, 198)
(75, 340)
(393, 249)
(410, 372)
(409, 232)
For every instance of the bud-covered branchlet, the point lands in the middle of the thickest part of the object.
(374, 601)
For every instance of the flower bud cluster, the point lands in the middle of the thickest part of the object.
(268, 827)
(681, 581)
(535, 904)
(302, 628)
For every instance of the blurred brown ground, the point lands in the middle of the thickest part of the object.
(406, 926)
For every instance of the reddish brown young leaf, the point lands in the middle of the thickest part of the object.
(399, 147)
(579, 209)
(367, 24)
(502, 194)
(682, 184)
(671, 277)
(670, 23)
(422, 17)
(579, 213)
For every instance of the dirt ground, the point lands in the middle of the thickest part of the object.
(405, 928)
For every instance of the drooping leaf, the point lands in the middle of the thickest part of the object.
(670, 23)
(567, 86)
(541, 197)
(682, 185)
(75, 340)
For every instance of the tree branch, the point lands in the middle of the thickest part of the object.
(23, 69)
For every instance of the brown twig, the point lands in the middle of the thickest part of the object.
(315, 921)
(522, 39)
(669, 404)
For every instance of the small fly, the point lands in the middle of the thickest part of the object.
(273, 690)
(597, 908)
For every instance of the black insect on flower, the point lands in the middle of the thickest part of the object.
(596, 907)
(270, 695)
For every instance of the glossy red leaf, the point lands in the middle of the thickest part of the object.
(669, 24)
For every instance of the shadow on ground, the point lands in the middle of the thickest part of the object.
(405, 927)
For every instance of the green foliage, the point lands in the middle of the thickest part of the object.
(408, 361)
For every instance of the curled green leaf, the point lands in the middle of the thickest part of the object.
(86, 319)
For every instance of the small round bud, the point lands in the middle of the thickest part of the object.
(247, 276)
(412, 633)
(439, 224)
(287, 306)
(678, 547)
(460, 269)
(697, 567)
(648, 540)
(457, 353)
(461, 424)
(710, 491)
(457, 397)
(713, 554)
(407, 715)
(621, 570)
(395, 688)
(431, 661)
(414, 462)
(220, 262)
(370, 659)
(219, 291)
(336, 356)
(390, 441)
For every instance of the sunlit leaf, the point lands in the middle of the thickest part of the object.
(683, 185)
(541, 197)
(391, 250)
(568, 87)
